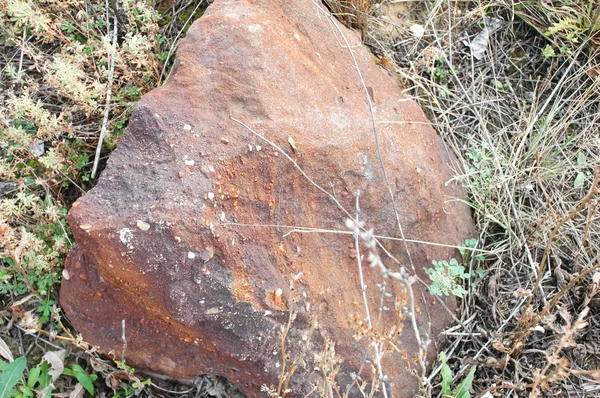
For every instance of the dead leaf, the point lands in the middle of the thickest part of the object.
(21, 301)
(498, 346)
(5, 351)
(56, 360)
(77, 391)
(36, 148)
(22, 244)
(479, 43)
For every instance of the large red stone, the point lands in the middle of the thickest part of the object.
(184, 237)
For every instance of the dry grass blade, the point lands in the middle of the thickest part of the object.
(523, 122)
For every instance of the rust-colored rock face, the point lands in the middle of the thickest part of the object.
(185, 237)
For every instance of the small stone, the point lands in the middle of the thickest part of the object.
(144, 226)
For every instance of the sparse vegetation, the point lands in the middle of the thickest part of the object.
(447, 278)
(522, 121)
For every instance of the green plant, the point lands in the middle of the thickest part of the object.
(86, 380)
(37, 382)
(462, 391)
(447, 277)
(137, 385)
(11, 375)
(548, 52)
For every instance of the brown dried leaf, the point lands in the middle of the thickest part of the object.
(21, 247)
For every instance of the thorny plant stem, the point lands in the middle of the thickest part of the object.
(16, 258)
(300, 230)
(302, 354)
(584, 202)
(173, 45)
(111, 73)
(22, 54)
(363, 287)
(407, 283)
(377, 347)
(387, 181)
(284, 354)
(375, 131)
(526, 329)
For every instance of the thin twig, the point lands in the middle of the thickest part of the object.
(111, 73)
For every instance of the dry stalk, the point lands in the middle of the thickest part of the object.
(109, 84)
(287, 372)
(528, 319)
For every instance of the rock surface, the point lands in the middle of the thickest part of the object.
(185, 238)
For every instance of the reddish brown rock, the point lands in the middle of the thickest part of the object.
(184, 237)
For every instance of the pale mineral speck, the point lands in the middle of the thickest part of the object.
(191, 255)
(125, 235)
(187, 127)
(255, 28)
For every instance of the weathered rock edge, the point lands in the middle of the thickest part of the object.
(183, 237)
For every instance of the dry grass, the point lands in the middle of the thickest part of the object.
(524, 128)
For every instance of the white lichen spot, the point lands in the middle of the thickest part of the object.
(187, 127)
(189, 162)
(222, 218)
(210, 196)
(418, 170)
(255, 28)
(191, 255)
(258, 148)
(213, 311)
(297, 36)
(125, 235)
(144, 226)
